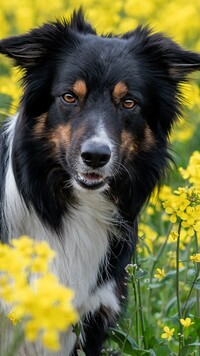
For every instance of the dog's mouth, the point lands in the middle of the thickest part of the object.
(90, 180)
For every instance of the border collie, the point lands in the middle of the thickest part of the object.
(84, 152)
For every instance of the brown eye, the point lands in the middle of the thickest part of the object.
(128, 103)
(69, 98)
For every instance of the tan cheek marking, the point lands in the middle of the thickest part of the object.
(120, 90)
(39, 128)
(149, 140)
(61, 136)
(128, 145)
(80, 89)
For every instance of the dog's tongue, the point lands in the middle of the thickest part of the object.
(92, 176)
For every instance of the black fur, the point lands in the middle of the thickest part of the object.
(52, 58)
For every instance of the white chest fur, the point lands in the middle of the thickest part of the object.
(83, 246)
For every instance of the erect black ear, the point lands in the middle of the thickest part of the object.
(29, 50)
(164, 52)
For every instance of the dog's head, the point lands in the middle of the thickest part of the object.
(100, 106)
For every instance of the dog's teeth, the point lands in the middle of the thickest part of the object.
(90, 179)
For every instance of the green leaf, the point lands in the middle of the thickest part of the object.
(170, 305)
(172, 274)
(197, 285)
(155, 285)
(140, 274)
(149, 336)
(81, 353)
(197, 325)
(190, 304)
(77, 329)
(124, 341)
(175, 320)
(184, 351)
(191, 273)
(128, 345)
(162, 349)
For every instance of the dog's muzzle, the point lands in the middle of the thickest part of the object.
(95, 157)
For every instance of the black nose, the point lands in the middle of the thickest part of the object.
(95, 155)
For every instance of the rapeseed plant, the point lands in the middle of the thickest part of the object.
(26, 286)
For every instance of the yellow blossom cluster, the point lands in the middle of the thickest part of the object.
(185, 204)
(195, 258)
(192, 172)
(34, 295)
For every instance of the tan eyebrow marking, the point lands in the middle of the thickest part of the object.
(80, 88)
(120, 90)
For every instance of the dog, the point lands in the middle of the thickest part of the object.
(84, 153)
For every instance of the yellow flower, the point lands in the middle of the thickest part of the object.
(42, 305)
(12, 317)
(186, 322)
(192, 172)
(173, 235)
(146, 238)
(160, 273)
(195, 257)
(50, 340)
(167, 333)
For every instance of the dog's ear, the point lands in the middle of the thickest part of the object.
(31, 49)
(25, 50)
(178, 61)
(164, 53)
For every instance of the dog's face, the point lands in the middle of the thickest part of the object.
(101, 107)
(95, 121)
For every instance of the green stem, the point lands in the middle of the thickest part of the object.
(140, 307)
(156, 259)
(178, 290)
(136, 309)
(188, 297)
(16, 342)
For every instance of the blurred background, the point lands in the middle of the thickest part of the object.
(179, 19)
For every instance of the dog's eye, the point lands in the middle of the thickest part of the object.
(69, 98)
(129, 103)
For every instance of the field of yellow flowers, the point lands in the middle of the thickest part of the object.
(163, 313)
